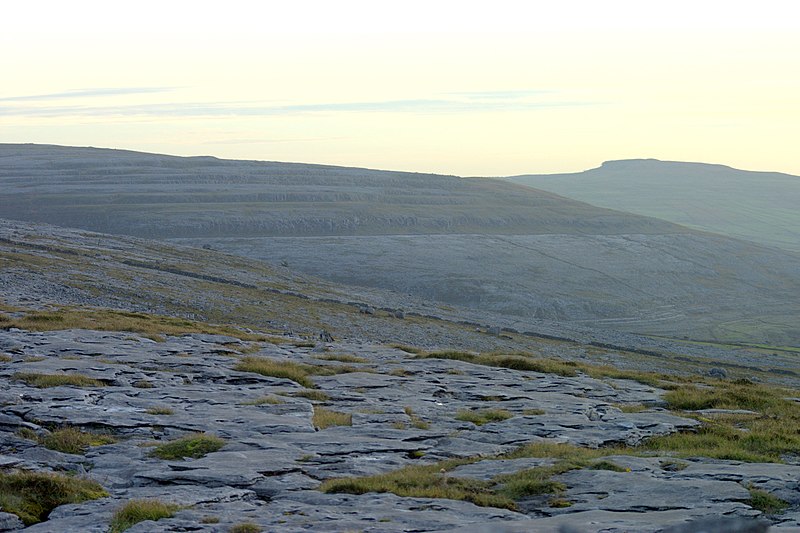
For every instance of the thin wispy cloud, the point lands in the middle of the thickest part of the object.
(87, 93)
(512, 101)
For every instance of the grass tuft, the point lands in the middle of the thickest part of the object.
(195, 446)
(44, 381)
(342, 358)
(136, 511)
(32, 495)
(423, 481)
(325, 418)
(483, 416)
(766, 502)
(160, 411)
(73, 440)
(245, 527)
(147, 325)
(264, 400)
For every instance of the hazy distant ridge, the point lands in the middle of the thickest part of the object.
(758, 206)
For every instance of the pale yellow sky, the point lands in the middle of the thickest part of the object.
(456, 87)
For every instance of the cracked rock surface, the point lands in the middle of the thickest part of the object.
(403, 412)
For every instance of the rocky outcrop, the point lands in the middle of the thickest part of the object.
(403, 412)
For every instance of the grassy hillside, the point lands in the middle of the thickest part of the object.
(484, 244)
(157, 196)
(758, 206)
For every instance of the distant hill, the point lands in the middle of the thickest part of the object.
(485, 244)
(758, 206)
(149, 195)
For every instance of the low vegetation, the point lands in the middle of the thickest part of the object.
(298, 372)
(342, 358)
(195, 446)
(136, 511)
(245, 527)
(314, 395)
(325, 418)
(264, 400)
(71, 440)
(423, 481)
(32, 495)
(415, 420)
(483, 416)
(766, 502)
(765, 435)
(160, 411)
(44, 381)
(514, 362)
(147, 325)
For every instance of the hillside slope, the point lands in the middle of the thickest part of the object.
(758, 206)
(479, 243)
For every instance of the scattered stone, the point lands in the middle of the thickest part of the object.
(717, 372)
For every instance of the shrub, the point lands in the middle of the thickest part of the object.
(136, 511)
(32, 495)
(194, 446)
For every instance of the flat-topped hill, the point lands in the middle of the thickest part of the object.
(759, 206)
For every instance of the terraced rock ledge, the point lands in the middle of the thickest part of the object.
(209, 432)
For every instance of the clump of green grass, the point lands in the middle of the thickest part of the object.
(208, 519)
(415, 420)
(736, 395)
(143, 384)
(160, 411)
(245, 527)
(32, 495)
(399, 372)
(423, 481)
(325, 418)
(766, 502)
(608, 465)
(514, 362)
(534, 412)
(147, 325)
(559, 503)
(73, 440)
(5, 358)
(342, 358)
(298, 372)
(774, 429)
(44, 381)
(264, 400)
(152, 326)
(195, 446)
(314, 395)
(483, 416)
(136, 511)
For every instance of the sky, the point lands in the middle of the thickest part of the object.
(455, 87)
